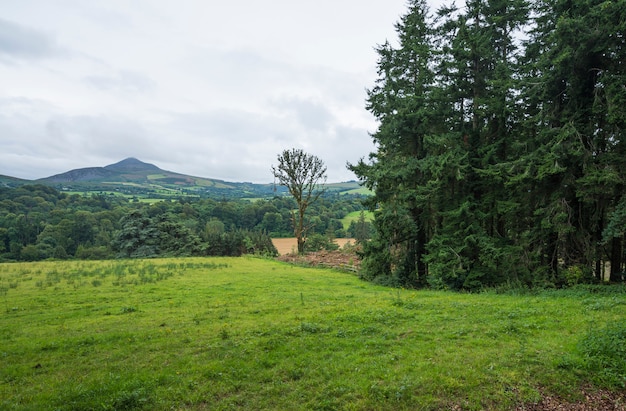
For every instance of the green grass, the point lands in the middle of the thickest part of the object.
(362, 191)
(354, 216)
(245, 333)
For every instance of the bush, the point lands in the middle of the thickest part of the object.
(259, 243)
(318, 242)
(577, 274)
(92, 253)
(239, 242)
(30, 253)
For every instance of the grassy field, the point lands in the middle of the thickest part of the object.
(246, 333)
(354, 216)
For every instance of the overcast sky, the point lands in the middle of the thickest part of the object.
(203, 87)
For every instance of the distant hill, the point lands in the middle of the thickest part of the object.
(81, 174)
(135, 178)
(6, 181)
(131, 170)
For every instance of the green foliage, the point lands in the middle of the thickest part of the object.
(30, 253)
(38, 223)
(304, 176)
(237, 243)
(499, 161)
(361, 229)
(604, 354)
(578, 275)
(317, 242)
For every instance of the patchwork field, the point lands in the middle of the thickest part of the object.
(246, 333)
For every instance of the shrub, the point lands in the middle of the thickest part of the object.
(318, 242)
(30, 253)
(92, 253)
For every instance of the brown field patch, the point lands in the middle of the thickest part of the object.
(290, 245)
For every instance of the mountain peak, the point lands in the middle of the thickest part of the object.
(131, 164)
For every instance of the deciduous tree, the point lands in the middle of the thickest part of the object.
(304, 176)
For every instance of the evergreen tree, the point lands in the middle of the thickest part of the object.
(500, 146)
(401, 101)
(574, 167)
(473, 245)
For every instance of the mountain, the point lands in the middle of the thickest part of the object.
(133, 176)
(131, 164)
(130, 170)
(136, 178)
(81, 174)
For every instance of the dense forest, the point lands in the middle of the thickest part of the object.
(38, 222)
(501, 152)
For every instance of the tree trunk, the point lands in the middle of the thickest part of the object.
(616, 260)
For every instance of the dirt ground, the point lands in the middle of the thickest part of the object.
(348, 261)
(345, 258)
(290, 245)
(595, 400)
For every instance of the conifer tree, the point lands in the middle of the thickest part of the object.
(500, 151)
(401, 102)
(575, 169)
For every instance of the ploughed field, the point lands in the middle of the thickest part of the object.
(249, 333)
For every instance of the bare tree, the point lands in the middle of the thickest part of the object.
(304, 175)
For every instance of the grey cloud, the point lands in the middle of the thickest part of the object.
(249, 99)
(311, 114)
(237, 69)
(218, 125)
(123, 81)
(235, 144)
(23, 42)
(345, 145)
(244, 72)
(101, 136)
(229, 144)
(39, 141)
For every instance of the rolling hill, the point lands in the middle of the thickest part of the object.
(136, 178)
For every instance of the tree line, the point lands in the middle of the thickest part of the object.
(500, 148)
(39, 222)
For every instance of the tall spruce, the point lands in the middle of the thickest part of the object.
(473, 246)
(500, 150)
(576, 167)
(401, 102)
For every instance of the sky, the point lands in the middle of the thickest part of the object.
(209, 88)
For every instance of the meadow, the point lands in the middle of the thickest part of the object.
(250, 333)
(354, 216)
